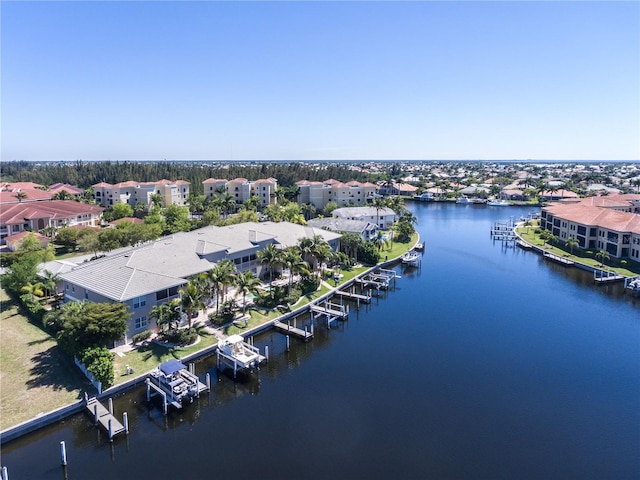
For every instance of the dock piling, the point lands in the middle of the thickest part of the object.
(111, 405)
(208, 381)
(95, 413)
(110, 429)
(288, 340)
(63, 454)
(5, 473)
(266, 352)
(125, 420)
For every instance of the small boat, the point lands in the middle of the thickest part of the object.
(425, 197)
(411, 258)
(241, 353)
(499, 203)
(464, 201)
(173, 378)
(419, 247)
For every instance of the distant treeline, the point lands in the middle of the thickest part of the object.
(85, 174)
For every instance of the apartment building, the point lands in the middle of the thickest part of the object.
(321, 193)
(598, 224)
(132, 192)
(242, 189)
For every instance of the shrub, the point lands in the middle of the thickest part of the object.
(99, 361)
(141, 337)
(180, 337)
(310, 284)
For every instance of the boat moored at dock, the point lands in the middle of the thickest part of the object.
(411, 258)
(238, 354)
(172, 380)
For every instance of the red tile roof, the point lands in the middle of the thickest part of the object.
(57, 209)
(596, 216)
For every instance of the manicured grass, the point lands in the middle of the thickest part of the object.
(35, 375)
(580, 256)
(398, 249)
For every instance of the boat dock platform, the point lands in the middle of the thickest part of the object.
(287, 329)
(354, 296)
(558, 259)
(607, 276)
(332, 311)
(104, 418)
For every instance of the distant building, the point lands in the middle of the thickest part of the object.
(397, 188)
(383, 218)
(23, 192)
(14, 242)
(321, 193)
(132, 193)
(57, 188)
(242, 189)
(366, 230)
(37, 216)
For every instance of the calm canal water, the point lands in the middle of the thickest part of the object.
(487, 362)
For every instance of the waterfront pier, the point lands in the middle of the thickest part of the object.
(104, 418)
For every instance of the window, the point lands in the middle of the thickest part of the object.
(139, 302)
(140, 322)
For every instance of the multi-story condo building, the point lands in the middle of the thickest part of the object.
(599, 223)
(36, 216)
(242, 189)
(321, 193)
(151, 274)
(132, 192)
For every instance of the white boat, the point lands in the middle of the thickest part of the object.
(419, 247)
(499, 203)
(464, 201)
(425, 197)
(411, 258)
(241, 353)
(173, 378)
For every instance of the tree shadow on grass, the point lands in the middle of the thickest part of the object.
(153, 350)
(55, 370)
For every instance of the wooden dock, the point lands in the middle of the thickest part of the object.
(287, 329)
(104, 418)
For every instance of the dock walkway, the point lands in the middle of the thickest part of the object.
(104, 417)
(287, 329)
(558, 259)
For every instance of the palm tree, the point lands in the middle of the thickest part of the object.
(228, 204)
(216, 278)
(246, 282)
(161, 314)
(292, 259)
(35, 291)
(602, 255)
(379, 204)
(50, 280)
(571, 243)
(20, 196)
(314, 247)
(270, 256)
(228, 275)
(156, 200)
(192, 299)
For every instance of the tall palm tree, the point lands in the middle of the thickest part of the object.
(571, 243)
(270, 256)
(49, 282)
(292, 259)
(379, 204)
(602, 255)
(246, 283)
(314, 247)
(228, 204)
(192, 302)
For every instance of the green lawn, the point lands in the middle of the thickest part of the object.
(528, 234)
(35, 375)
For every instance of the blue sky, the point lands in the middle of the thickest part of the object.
(320, 80)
